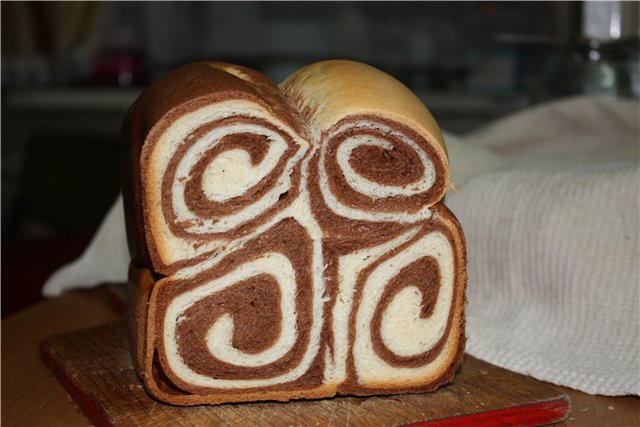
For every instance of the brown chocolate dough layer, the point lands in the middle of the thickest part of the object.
(405, 167)
(254, 305)
(398, 166)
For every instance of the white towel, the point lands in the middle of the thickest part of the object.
(106, 259)
(549, 200)
(553, 274)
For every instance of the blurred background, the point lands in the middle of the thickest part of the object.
(71, 69)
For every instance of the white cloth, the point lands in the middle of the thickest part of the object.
(549, 199)
(106, 259)
(553, 274)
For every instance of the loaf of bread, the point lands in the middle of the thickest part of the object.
(289, 242)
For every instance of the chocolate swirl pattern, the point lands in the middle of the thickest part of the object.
(381, 162)
(227, 177)
(407, 323)
(252, 322)
(397, 315)
(290, 242)
(215, 166)
(374, 170)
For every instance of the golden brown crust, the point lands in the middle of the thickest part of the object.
(140, 285)
(328, 91)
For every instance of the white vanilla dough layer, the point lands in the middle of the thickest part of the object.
(403, 331)
(231, 174)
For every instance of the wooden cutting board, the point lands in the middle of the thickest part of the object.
(95, 367)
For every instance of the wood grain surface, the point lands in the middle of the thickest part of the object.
(32, 396)
(95, 367)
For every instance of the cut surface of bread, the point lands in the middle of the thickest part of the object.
(290, 242)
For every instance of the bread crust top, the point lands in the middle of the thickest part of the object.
(328, 91)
